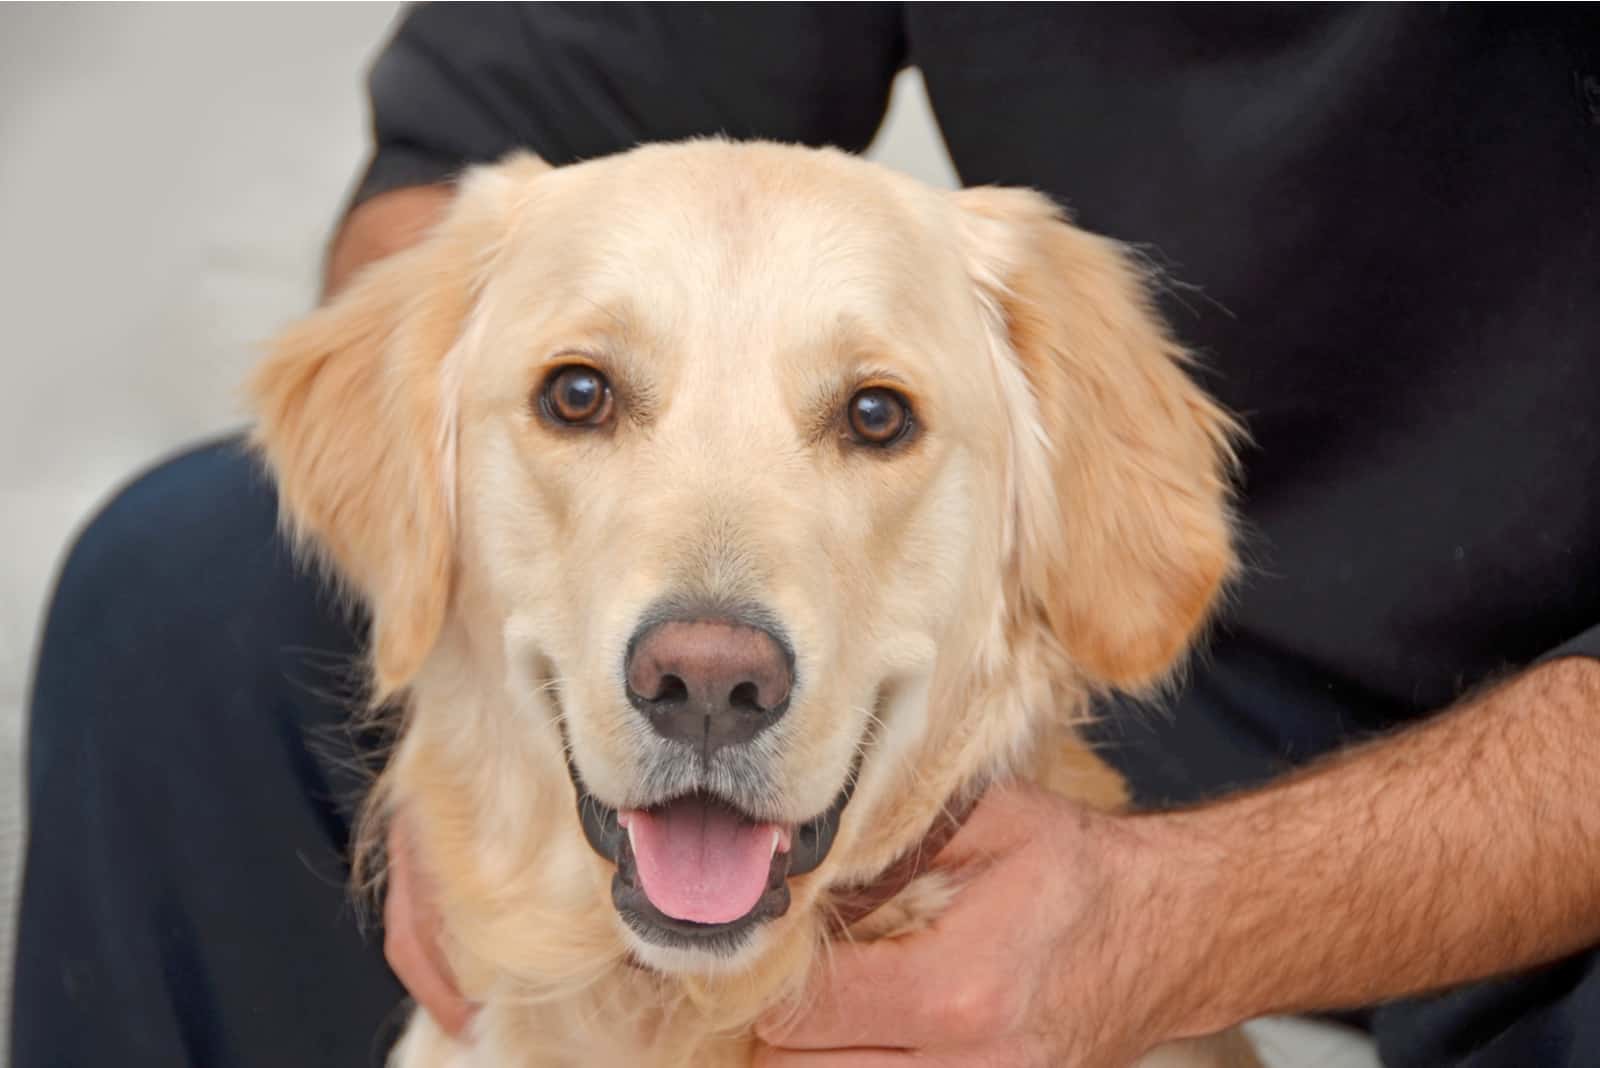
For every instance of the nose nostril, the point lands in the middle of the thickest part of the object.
(708, 683)
(746, 698)
(671, 690)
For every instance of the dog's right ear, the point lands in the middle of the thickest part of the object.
(357, 421)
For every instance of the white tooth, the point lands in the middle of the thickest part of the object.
(776, 834)
(633, 845)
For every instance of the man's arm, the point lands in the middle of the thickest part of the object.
(1463, 848)
(380, 227)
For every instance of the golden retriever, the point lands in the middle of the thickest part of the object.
(726, 512)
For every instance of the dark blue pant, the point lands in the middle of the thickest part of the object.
(185, 894)
(191, 780)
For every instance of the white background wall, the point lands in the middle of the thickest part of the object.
(168, 175)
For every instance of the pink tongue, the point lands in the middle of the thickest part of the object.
(700, 862)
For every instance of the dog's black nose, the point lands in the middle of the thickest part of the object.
(709, 683)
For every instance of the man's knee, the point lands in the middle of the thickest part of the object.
(145, 542)
(173, 765)
(176, 592)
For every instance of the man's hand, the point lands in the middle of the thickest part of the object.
(411, 938)
(1042, 959)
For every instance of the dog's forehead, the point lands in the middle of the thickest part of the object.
(726, 232)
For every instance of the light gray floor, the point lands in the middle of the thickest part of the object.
(168, 177)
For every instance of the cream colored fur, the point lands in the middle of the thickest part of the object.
(1058, 527)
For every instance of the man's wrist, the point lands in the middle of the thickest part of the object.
(1172, 910)
(1151, 926)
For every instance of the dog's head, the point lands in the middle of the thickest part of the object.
(739, 477)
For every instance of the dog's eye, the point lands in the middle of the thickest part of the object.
(879, 416)
(577, 395)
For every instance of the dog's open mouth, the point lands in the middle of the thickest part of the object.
(697, 871)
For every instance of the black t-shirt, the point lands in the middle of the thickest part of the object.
(1386, 225)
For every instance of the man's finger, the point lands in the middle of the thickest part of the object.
(896, 994)
(861, 996)
(1000, 823)
(767, 1057)
(410, 943)
(904, 993)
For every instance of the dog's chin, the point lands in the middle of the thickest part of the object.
(680, 918)
(734, 956)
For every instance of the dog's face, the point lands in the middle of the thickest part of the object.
(726, 476)
(721, 459)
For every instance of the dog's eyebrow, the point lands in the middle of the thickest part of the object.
(621, 319)
(858, 356)
(612, 339)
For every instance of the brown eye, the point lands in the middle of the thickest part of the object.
(879, 416)
(578, 396)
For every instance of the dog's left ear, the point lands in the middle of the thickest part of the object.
(357, 425)
(1120, 463)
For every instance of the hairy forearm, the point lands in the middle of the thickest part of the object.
(381, 227)
(1461, 849)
